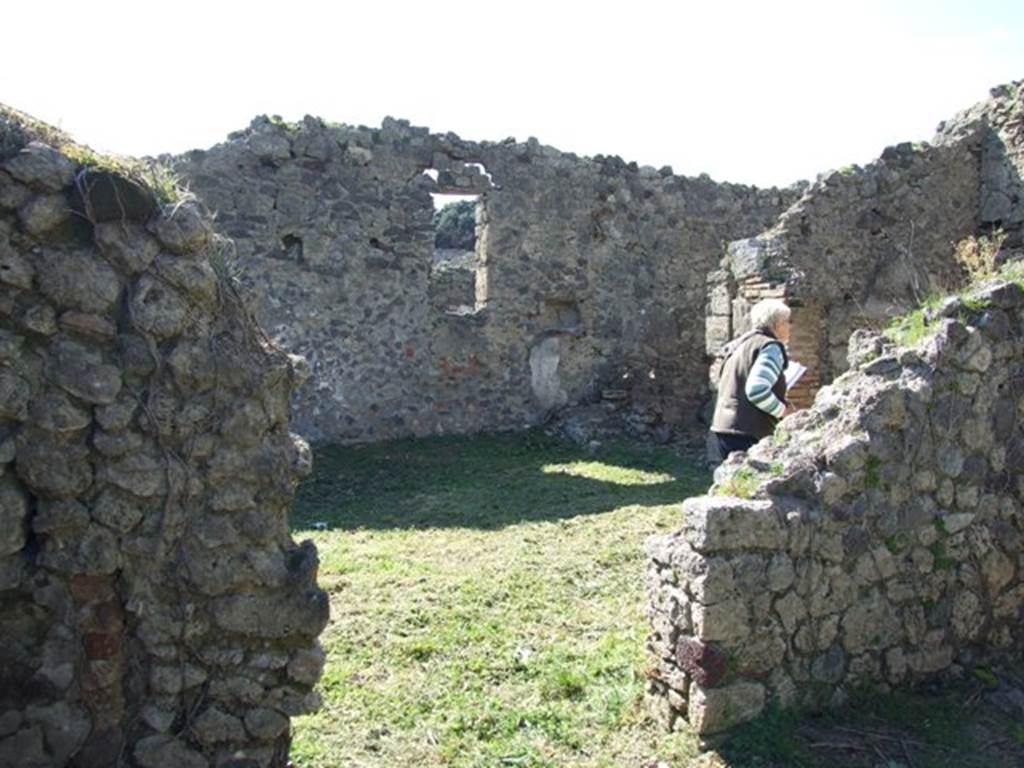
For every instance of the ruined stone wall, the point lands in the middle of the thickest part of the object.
(590, 273)
(861, 246)
(877, 538)
(1000, 122)
(865, 244)
(154, 610)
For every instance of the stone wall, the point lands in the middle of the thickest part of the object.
(861, 246)
(589, 273)
(877, 538)
(154, 610)
(865, 244)
(1000, 122)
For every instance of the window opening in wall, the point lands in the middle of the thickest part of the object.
(453, 272)
(292, 246)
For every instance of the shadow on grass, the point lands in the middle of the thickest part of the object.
(930, 726)
(484, 481)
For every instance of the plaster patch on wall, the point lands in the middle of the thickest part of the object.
(544, 378)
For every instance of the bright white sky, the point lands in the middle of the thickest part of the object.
(763, 92)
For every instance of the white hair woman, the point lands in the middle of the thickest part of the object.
(752, 386)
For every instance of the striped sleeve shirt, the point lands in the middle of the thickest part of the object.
(763, 375)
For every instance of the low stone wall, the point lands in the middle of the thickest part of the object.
(877, 538)
(154, 610)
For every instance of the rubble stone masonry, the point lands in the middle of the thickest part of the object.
(877, 538)
(154, 610)
(590, 273)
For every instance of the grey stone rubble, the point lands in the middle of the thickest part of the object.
(583, 267)
(878, 538)
(154, 610)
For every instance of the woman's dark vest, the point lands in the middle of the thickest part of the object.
(734, 413)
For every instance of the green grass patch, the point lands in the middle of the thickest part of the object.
(910, 328)
(487, 602)
(487, 607)
(941, 559)
(487, 481)
(742, 483)
(986, 677)
(977, 256)
(872, 472)
(897, 543)
(1017, 734)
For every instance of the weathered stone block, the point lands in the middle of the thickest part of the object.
(215, 726)
(727, 622)
(713, 710)
(157, 309)
(167, 752)
(871, 623)
(78, 280)
(54, 411)
(139, 474)
(67, 518)
(126, 245)
(25, 749)
(303, 614)
(15, 392)
(65, 729)
(306, 666)
(52, 468)
(829, 666)
(791, 610)
(85, 324)
(15, 269)
(713, 524)
(41, 166)
(265, 724)
(182, 228)
(194, 278)
(83, 373)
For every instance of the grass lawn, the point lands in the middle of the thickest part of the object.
(487, 610)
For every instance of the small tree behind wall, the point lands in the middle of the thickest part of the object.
(455, 226)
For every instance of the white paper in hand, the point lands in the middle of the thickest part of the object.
(793, 373)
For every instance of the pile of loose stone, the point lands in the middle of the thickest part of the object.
(877, 538)
(154, 610)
